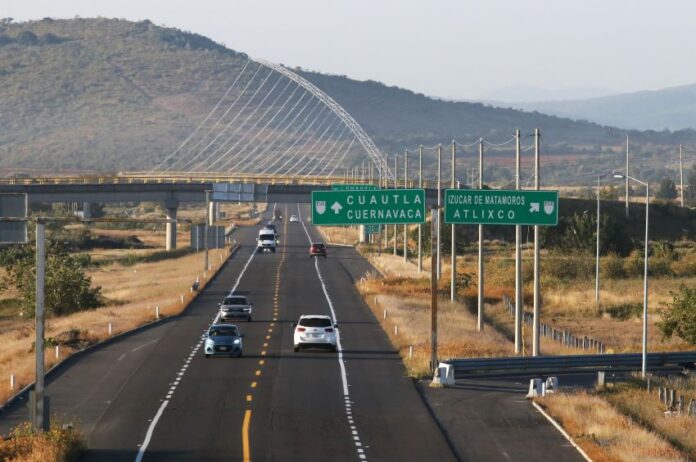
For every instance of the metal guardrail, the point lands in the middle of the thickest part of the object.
(466, 367)
(190, 178)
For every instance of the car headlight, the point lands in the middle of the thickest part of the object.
(237, 341)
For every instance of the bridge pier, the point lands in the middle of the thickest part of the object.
(86, 210)
(171, 207)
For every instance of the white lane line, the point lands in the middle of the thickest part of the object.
(163, 406)
(339, 347)
(144, 345)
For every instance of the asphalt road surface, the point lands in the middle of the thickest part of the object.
(153, 396)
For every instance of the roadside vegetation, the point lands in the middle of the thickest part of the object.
(96, 277)
(56, 445)
(605, 433)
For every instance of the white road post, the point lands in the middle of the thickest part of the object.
(644, 366)
(537, 288)
(453, 256)
(519, 295)
(479, 324)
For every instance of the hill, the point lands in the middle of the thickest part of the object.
(670, 108)
(107, 94)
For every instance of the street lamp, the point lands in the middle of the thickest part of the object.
(644, 365)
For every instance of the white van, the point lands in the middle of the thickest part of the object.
(267, 240)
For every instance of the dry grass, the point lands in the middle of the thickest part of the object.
(56, 445)
(604, 433)
(407, 302)
(339, 234)
(646, 408)
(132, 293)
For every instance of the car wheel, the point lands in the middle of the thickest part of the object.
(249, 319)
(207, 356)
(333, 348)
(297, 348)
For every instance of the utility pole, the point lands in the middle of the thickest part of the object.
(396, 186)
(518, 254)
(206, 229)
(681, 177)
(406, 186)
(420, 226)
(479, 324)
(439, 204)
(537, 294)
(433, 290)
(39, 402)
(627, 173)
(386, 185)
(596, 296)
(453, 276)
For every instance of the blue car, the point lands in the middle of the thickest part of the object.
(223, 340)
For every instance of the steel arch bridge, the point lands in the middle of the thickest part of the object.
(273, 123)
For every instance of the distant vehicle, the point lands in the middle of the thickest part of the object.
(270, 225)
(277, 215)
(317, 249)
(223, 340)
(314, 330)
(294, 219)
(267, 241)
(235, 307)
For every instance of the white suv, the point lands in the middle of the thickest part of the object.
(315, 330)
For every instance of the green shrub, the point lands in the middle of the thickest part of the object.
(624, 311)
(634, 264)
(567, 268)
(612, 267)
(680, 319)
(685, 266)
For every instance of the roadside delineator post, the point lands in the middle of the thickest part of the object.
(110, 330)
(157, 313)
(12, 382)
(57, 351)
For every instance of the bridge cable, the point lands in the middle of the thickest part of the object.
(188, 138)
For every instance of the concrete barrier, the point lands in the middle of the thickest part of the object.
(535, 388)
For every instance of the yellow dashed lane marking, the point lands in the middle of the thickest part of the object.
(253, 384)
(248, 398)
(257, 373)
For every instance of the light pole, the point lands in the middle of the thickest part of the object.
(599, 188)
(644, 366)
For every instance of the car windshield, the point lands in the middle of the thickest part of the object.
(315, 322)
(223, 331)
(318, 246)
(235, 301)
(267, 237)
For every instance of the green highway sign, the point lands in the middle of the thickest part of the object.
(353, 187)
(501, 207)
(372, 229)
(382, 206)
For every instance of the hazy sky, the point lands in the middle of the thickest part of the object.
(449, 48)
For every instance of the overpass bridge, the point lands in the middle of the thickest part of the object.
(172, 190)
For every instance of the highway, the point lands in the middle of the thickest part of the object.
(153, 396)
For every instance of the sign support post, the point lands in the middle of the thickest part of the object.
(518, 255)
(479, 324)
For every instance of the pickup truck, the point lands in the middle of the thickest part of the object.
(235, 307)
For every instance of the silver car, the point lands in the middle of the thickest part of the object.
(236, 307)
(223, 340)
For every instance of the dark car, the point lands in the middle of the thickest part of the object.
(317, 249)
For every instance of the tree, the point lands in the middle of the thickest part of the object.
(667, 189)
(67, 288)
(690, 185)
(681, 318)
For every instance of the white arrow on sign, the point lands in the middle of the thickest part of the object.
(336, 207)
(535, 207)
